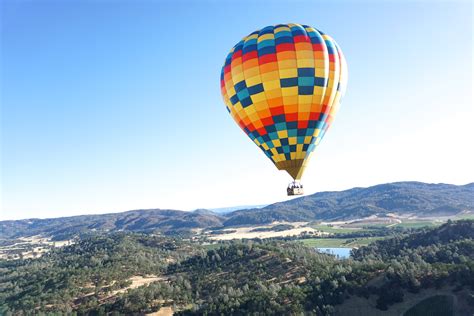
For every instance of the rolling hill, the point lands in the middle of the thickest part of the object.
(402, 198)
(138, 220)
(128, 273)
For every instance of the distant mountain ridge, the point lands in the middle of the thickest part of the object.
(138, 220)
(417, 198)
(402, 198)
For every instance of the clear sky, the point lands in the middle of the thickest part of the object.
(115, 105)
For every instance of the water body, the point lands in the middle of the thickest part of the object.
(342, 253)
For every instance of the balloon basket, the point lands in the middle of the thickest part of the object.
(295, 188)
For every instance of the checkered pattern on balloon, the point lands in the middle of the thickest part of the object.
(283, 85)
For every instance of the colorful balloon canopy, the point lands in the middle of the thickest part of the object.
(283, 85)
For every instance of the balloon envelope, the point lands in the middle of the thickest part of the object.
(283, 85)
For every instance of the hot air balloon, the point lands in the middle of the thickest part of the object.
(283, 85)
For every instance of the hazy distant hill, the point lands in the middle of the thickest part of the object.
(226, 210)
(138, 220)
(415, 198)
(420, 199)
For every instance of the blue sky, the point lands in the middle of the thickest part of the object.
(115, 105)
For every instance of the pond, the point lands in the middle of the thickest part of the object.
(342, 253)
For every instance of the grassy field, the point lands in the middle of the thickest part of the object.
(405, 224)
(338, 242)
(465, 216)
(335, 230)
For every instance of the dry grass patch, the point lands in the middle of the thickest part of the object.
(249, 233)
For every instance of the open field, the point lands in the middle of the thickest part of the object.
(334, 229)
(465, 216)
(373, 223)
(30, 247)
(338, 242)
(164, 311)
(249, 232)
(377, 223)
(138, 281)
(323, 229)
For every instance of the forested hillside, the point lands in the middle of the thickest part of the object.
(98, 274)
(451, 242)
